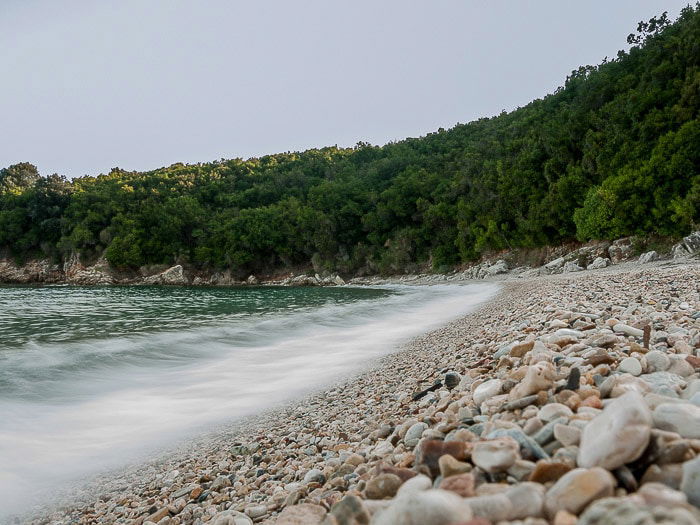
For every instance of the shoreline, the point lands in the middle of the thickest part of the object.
(354, 417)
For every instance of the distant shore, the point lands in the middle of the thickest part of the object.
(365, 436)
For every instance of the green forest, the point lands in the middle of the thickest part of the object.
(613, 152)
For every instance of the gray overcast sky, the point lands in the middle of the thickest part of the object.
(89, 85)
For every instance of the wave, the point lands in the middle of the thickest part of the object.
(69, 410)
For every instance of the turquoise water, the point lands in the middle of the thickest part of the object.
(95, 377)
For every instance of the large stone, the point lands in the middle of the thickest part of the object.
(617, 436)
(598, 263)
(430, 507)
(578, 488)
(648, 257)
(692, 242)
(527, 500)
(682, 418)
(572, 266)
(496, 455)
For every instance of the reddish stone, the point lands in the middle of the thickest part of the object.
(693, 360)
(592, 401)
(462, 484)
(548, 471)
(403, 473)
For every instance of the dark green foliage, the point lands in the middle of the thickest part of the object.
(613, 152)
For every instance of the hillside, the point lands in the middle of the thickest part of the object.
(615, 151)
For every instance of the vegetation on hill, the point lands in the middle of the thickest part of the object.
(613, 152)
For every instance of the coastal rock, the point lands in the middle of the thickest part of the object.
(172, 276)
(692, 242)
(572, 266)
(648, 257)
(577, 488)
(430, 507)
(598, 263)
(617, 436)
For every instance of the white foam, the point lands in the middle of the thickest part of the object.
(153, 390)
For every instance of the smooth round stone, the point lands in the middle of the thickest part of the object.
(314, 476)
(413, 434)
(617, 436)
(553, 411)
(430, 507)
(567, 435)
(690, 482)
(630, 365)
(658, 361)
(496, 455)
(577, 488)
(301, 514)
(487, 390)
(627, 511)
(461, 484)
(383, 486)
(682, 418)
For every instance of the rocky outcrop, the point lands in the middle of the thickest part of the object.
(34, 271)
(172, 276)
(688, 247)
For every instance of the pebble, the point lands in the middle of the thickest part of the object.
(487, 390)
(302, 514)
(429, 507)
(617, 436)
(462, 484)
(690, 482)
(577, 488)
(555, 369)
(496, 455)
(383, 486)
(630, 365)
(682, 418)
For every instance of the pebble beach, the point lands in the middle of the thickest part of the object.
(568, 399)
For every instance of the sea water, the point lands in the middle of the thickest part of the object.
(93, 378)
